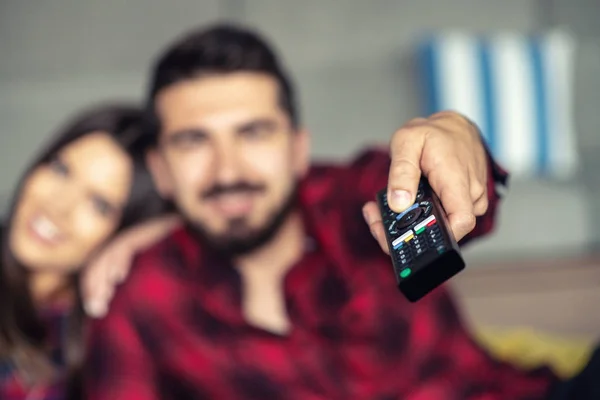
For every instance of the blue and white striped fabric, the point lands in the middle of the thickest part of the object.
(518, 89)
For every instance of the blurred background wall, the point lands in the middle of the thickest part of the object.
(355, 65)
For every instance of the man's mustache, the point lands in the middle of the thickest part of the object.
(237, 188)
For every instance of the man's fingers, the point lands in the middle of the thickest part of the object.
(479, 195)
(461, 224)
(379, 233)
(405, 151)
(449, 177)
(450, 182)
(373, 219)
(480, 206)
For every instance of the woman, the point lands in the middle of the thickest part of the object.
(89, 184)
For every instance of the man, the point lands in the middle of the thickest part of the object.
(275, 288)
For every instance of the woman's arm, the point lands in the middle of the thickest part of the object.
(111, 265)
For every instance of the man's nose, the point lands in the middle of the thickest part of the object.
(227, 164)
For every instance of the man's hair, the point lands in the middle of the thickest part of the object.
(218, 49)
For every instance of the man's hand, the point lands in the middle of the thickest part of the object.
(447, 149)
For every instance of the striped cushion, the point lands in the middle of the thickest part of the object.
(518, 89)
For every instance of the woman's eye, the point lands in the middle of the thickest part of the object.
(102, 206)
(59, 167)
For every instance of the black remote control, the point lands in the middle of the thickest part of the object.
(423, 249)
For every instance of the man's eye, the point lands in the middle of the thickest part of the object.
(258, 130)
(255, 133)
(187, 139)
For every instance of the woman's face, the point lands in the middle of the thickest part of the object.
(70, 206)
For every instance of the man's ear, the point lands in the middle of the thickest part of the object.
(302, 151)
(160, 173)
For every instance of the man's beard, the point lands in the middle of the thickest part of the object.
(240, 239)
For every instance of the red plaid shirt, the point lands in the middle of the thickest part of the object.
(176, 329)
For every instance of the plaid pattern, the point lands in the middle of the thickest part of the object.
(12, 387)
(176, 328)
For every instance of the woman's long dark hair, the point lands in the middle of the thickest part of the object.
(21, 329)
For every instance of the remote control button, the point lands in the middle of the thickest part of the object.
(403, 253)
(435, 236)
(432, 222)
(426, 208)
(405, 273)
(409, 216)
(433, 230)
(435, 240)
(417, 242)
(434, 233)
(418, 250)
(420, 227)
(391, 225)
(400, 241)
(433, 227)
(405, 262)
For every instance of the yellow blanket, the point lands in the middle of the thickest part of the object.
(530, 348)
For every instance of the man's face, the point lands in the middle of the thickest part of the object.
(228, 155)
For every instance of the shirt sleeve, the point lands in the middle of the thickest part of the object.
(369, 172)
(118, 367)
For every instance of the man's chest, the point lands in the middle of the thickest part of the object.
(222, 361)
(207, 347)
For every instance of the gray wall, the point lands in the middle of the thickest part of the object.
(59, 55)
(581, 16)
(352, 61)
